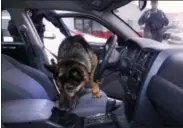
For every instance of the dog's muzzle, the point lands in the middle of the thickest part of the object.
(74, 85)
(71, 90)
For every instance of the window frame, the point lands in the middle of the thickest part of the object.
(7, 18)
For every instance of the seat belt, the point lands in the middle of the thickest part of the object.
(54, 82)
(23, 33)
(29, 48)
(51, 52)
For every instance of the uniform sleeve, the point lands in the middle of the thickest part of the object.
(143, 19)
(166, 21)
(52, 17)
(56, 21)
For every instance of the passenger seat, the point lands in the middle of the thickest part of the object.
(23, 82)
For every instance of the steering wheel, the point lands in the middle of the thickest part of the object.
(103, 59)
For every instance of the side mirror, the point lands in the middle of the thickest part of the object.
(142, 4)
(49, 35)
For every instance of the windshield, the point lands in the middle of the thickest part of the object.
(160, 20)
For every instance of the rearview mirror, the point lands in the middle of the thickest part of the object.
(142, 4)
(49, 35)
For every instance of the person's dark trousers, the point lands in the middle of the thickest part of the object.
(157, 35)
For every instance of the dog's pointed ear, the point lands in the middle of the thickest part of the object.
(52, 68)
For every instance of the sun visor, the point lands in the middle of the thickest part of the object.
(101, 5)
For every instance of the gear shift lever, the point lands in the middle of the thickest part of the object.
(112, 105)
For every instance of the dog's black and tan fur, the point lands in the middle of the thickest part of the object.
(74, 70)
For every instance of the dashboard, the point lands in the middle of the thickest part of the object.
(136, 61)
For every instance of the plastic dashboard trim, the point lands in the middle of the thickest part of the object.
(161, 57)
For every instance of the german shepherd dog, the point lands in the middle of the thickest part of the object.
(74, 70)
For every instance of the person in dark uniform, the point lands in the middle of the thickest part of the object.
(154, 20)
(37, 19)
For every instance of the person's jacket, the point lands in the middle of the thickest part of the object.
(38, 15)
(37, 19)
(144, 19)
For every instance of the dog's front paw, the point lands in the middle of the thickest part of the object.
(95, 91)
(96, 95)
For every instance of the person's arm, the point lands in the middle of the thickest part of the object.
(56, 21)
(166, 21)
(143, 19)
(52, 17)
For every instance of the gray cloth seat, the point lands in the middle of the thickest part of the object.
(90, 106)
(23, 82)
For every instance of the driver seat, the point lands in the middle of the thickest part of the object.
(23, 82)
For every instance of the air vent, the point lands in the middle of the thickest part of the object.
(150, 56)
(140, 60)
(145, 58)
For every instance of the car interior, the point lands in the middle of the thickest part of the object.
(145, 76)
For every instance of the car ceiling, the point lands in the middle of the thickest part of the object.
(71, 5)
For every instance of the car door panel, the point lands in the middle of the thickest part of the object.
(17, 51)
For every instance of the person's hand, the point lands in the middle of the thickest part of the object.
(163, 15)
(148, 14)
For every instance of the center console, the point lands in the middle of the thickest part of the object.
(42, 113)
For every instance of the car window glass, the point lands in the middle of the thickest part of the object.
(9, 32)
(52, 38)
(91, 30)
(160, 20)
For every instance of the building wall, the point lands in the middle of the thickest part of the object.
(69, 22)
(175, 19)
